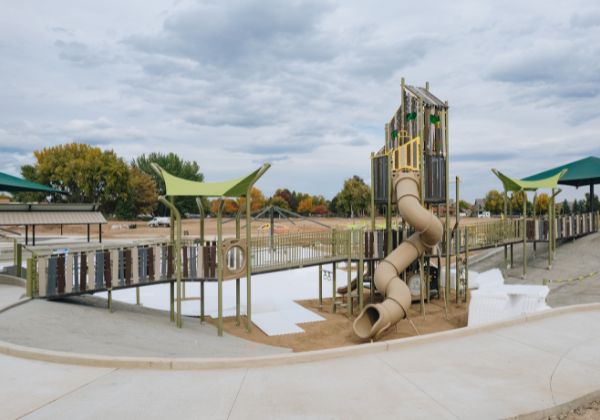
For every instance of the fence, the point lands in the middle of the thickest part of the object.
(88, 269)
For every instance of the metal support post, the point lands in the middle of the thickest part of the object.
(334, 292)
(320, 287)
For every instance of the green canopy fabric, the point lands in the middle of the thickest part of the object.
(511, 184)
(580, 172)
(11, 183)
(176, 186)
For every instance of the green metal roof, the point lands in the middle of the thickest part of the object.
(512, 184)
(11, 183)
(238, 187)
(581, 172)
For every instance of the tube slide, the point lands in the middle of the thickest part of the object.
(376, 318)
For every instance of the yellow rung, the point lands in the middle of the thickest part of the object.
(407, 157)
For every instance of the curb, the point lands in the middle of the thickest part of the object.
(195, 363)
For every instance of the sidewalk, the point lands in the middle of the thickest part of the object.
(495, 374)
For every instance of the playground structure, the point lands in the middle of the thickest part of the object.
(412, 167)
(411, 171)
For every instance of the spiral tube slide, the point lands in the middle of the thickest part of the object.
(376, 318)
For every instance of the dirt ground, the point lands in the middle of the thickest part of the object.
(336, 331)
(589, 411)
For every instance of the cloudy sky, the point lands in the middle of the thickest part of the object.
(305, 85)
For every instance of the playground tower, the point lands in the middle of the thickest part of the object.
(410, 173)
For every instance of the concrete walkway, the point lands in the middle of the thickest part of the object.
(84, 325)
(496, 373)
(574, 258)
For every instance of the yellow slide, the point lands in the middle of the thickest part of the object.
(376, 318)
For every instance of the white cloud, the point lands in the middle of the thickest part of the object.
(307, 85)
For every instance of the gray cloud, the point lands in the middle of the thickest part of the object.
(303, 84)
(79, 54)
(482, 157)
(231, 34)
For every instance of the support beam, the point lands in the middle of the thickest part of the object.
(447, 186)
(249, 246)
(99, 232)
(524, 233)
(201, 212)
(33, 234)
(26, 234)
(88, 232)
(177, 251)
(457, 240)
(220, 263)
(592, 209)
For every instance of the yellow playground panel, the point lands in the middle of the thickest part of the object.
(406, 157)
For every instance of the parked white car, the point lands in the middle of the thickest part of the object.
(159, 221)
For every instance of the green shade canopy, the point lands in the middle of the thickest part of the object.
(581, 172)
(176, 186)
(11, 183)
(511, 184)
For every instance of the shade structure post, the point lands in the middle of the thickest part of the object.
(457, 241)
(201, 212)
(177, 250)
(524, 234)
(373, 215)
(447, 186)
(592, 209)
(220, 263)
(237, 280)
(259, 174)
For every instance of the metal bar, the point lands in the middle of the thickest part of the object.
(19, 260)
(220, 263)
(320, 287)
(249, 247)
(201, 212)
(177, 250)
(457, 241)
(524, 234)
(447, 169)
(349, 276)
(334, 292)
(466, 264)
(237, 281)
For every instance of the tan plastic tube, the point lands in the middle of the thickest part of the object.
(376, 318)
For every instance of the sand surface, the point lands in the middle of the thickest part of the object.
(336, 330)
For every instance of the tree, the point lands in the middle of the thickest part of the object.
(87, 173)
(588, 207)
(279, 201)
(305, 206)
(174, 165)
(354, 198)
(464, 205)
(565, 207)
(142, 196)
(297, 197)
(517, 202)
(542, 203)
(494, 202)
(320, 210)
(286, 195)
(230, 207)
(257, 203)
(576, 207)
